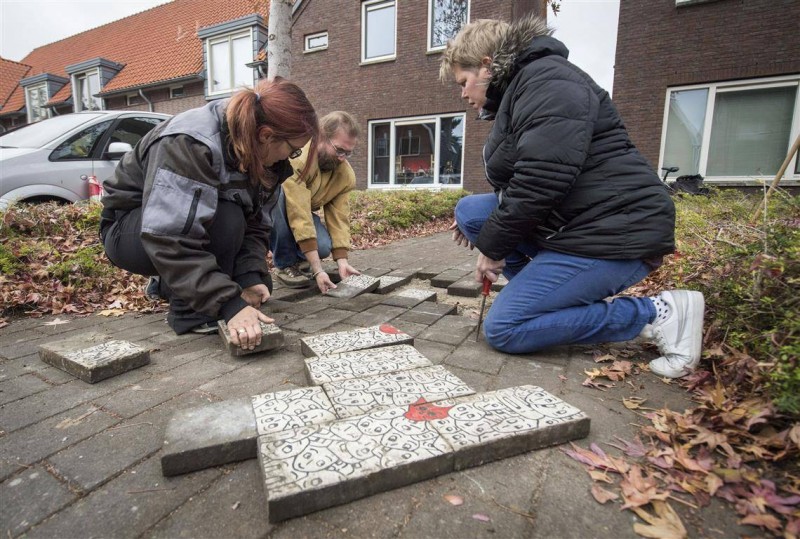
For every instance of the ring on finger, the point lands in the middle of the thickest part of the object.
(241, 330)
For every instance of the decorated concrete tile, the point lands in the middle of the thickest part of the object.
(311, 468)
(360, 363)
(409, 297)
(292, 408)
(353, 286)
(271, 338)
(364, 395)
(506, 422)
(357, 339)
(96, 362)
(387, 283)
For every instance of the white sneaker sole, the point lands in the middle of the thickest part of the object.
(691, 306)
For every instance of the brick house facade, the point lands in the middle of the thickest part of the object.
(395, 97)
(722, 74)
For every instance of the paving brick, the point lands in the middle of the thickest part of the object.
(375, 272)
(325, 465)
(363, 395)
(94, 362)
(102, 457)
(390, 282)
(128, 505)
(359, 339)
(410, 297)
(271, 338)
(480, 357)
(39, 441)
(318, 321)
(30, 497)
(496, 425)
(361, 363)
(20, 387)
(411, 328)
(258, 377)
(450, 329)
(353, 286)
(429, 272)
(274, 306)
(416, 317)
(466, 287)
(294, 294)
(209, 435)
(434, 351)
(440, 309)
(232, 506)
(448, 277)
(500, 283)
(9, 468)
(310, 305)
(379, 314)
(360, 303)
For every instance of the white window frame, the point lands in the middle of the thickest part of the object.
(130, 99)
(45, 111)
(789, 178)
(439, 48)
(365, 7)
(309, 37)
(172, 90)
(392, 156)
(210, 61)
(76, 89)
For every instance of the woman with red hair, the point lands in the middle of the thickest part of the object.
(190, 205)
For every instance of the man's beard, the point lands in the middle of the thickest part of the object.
(327, 162)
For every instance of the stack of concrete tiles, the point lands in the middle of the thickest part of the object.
(379, 416)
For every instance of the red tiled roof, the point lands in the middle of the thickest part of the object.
(156, 45)
(11, 73)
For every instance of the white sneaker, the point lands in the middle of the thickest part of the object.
(680, 337)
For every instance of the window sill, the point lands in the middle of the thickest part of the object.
(431, 52)
(378, 61)
(312, 51)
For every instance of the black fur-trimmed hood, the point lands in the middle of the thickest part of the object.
(523, 41)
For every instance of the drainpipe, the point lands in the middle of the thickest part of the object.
(149, 103)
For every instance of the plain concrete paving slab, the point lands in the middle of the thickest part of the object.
(390, 282)
(359, 339)
(271, 338)
(447, 277)
(94, 362)
(465, 287)
(409, 297)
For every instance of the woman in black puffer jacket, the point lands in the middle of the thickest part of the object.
(577, 214)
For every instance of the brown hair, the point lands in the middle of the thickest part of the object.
(278, 104)
(339, 119)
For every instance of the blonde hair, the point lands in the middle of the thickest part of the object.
(474, 42)
(339, 119)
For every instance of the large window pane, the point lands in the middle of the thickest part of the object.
(242, 54)
(447, 18)
(687, 110)
(380, 154)
(750, 131)
(451, 149)
(414, 149)
(379, 30)
(220, 66)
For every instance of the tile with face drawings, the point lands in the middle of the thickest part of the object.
(364, 395)
(514, 420)
(271, 338)
(103, 354)
(311, 468)
(360, 363)
(293, 408)
(357, 339)
(353, 286)
(96, 362)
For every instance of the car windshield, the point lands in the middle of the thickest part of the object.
(40, 133)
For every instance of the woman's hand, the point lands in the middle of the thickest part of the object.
(489, 268)
(256, 295)
(459, 237)
(345, 269)
(324, 282)
(245, 329)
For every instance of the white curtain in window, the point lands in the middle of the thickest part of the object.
(380, 30)
(220, 66)
(242, 54)
(750, 131)
(685, 121)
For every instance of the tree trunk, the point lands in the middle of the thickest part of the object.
(279, 41)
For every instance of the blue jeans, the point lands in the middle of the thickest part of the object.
(285, 251)
(556, 298)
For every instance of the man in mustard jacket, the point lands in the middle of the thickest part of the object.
(299, 240)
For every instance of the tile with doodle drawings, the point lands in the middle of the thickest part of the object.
(363, 395)
(311, 468)
(293, 408)
(357, 339)
(360, 363)
(353, 286)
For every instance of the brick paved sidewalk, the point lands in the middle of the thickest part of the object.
(81, 460)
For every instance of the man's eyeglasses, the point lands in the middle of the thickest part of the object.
(296, 152)
(340, 152)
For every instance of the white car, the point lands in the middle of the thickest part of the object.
(54, 158)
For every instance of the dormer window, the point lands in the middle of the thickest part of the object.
(228, 57)
(35, 99)
(86, 86)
